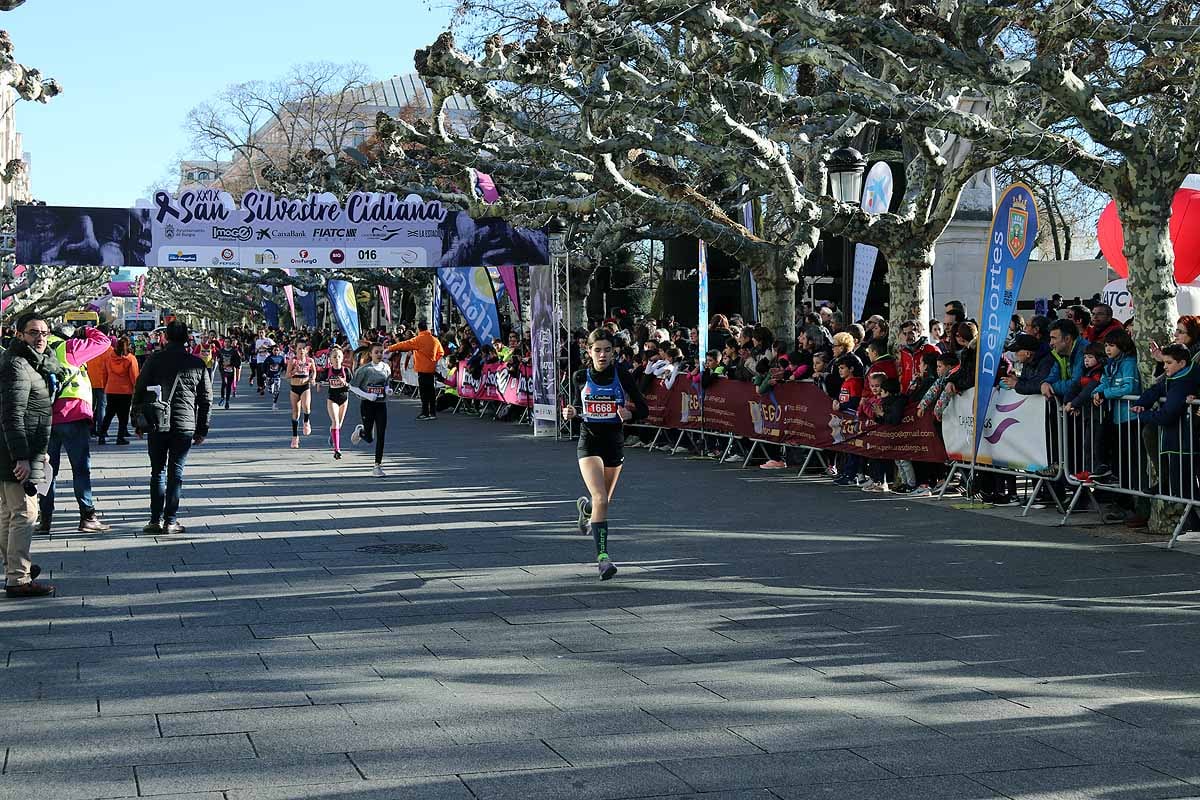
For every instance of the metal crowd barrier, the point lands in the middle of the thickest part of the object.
(1134, 459)
(1044, 481)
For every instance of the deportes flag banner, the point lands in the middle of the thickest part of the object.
(345, 309)
(1014, 231)
(471, 290)
(544, 335)
(385, 300)
(877, 197)
(205, 228)
(702, 284)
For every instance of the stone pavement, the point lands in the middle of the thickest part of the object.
(441, 633)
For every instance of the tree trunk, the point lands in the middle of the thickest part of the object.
(908, 288)
(1151, 259)
(777, 295)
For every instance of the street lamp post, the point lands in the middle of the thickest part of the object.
(846, 168)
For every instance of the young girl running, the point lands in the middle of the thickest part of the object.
(604, 398)
(372, 382)
(301, 374)
(338, 378)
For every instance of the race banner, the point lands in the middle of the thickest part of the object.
(877, 197)
(385, 300)
(205, 228)
(308, 306)
(796, 414)
(545, 343)
(1014, 231)
(496, 384)
(472, 291)
(1014, 430)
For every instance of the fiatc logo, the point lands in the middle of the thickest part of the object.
(181, 257)
(303, 258)
(336, 256)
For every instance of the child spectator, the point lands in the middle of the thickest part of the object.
(889, 411)
(1174, 467)
(1120, 379)
(846, 405)
(937, 398)
(1078, 401)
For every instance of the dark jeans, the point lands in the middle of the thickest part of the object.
(99, 403)
(168, 454)
(428, 393)
(75, 438)
(118, 406)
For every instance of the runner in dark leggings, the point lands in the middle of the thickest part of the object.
(604, 398)
(230, 360)
(372, 382)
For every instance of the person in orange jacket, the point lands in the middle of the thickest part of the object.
(97, 371)
(427, 351)
(121, 374)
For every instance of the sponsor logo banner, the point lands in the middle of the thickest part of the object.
(366, 229)
(797, 414)
(495, 383)
(1014, 430)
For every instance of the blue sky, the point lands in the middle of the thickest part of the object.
(132, 69)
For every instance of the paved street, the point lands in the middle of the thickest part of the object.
(441, 633)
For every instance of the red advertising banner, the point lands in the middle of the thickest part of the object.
(796, 414)
(495, 384)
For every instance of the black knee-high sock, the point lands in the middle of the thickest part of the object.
(307, 416)
(600, 537)
(295, 427)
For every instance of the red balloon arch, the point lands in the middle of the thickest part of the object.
(1185, 236)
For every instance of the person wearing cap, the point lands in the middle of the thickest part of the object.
(1034, 370)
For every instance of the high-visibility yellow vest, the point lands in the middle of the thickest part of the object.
(76, 384)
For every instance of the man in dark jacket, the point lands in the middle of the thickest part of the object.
(28, 377)
(1034, 371)
(191, 406)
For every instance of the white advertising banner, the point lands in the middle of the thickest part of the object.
(1014, 432)
(1116, 294)
(877, 196)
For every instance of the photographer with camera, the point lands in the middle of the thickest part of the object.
(29, 380)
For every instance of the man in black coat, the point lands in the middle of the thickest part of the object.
(176, 373)
(29, 374)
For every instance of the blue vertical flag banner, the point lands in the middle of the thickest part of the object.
(345, 309)
(1014, 231)
(271, 314)
(435, 324)
(308, 306)
(702, 316)
(472, 291)
(750, 213)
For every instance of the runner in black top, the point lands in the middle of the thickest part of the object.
(338, 378)
(604, 398)
(229, 357)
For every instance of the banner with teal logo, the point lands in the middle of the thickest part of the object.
(1014, 231)
(345, 309)
(472, 291)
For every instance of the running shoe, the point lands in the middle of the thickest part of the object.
(226, 405)
(378, 472)
(337, 455)
(631, 440)
(308, 428)
(844, 480)
(274, 406)
(831, 471)
(295, 445)
(357, 435)
(773, 464)
(584, 506)
(921, 491)
(606, 567)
